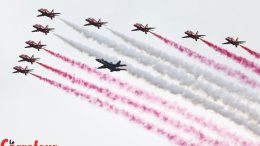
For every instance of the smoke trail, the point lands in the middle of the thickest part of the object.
(225, 97)
(231, 114)
(141, 93)
(194, 70)
(111, 108)
(174, 74)
(171, 72)
(228, 71)
(114, 97)
(187, 80)
(243, 61)
(255, 54)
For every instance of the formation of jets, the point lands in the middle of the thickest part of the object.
(141, 27)
(34, 45)
(111, 66)
(233, 41)
(97, 23)
(40, 28)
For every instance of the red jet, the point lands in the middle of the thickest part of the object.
(35, 45)
(28, 58)
(19, 69)
(92, 21)
(45, 12)
(42, 29)
(233, 41)
(140, 27)
(193, 35)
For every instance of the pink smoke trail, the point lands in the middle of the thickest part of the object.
(141, 93)
(228, 71)
(243, 61)
(114, 97)
(255, 54)
(109, 107)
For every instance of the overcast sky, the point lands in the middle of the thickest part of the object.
(31, 109)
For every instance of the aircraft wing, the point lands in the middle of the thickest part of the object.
(135, 29)
(186, 37)
(120, 65)
(226, 43)
(101, 67)
(15, 71)
(150, 28)
(87, 24)
(201, 35)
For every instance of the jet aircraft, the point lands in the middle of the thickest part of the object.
(233, 41)
(140, 27)
(35, 45)
(28, 58)
(40, 28)
(111, 66)
(19, 69)
(92, 21)
(193, 35)
(44, 12)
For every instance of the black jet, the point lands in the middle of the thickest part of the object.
(111, 66)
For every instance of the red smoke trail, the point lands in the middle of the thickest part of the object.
(255, 54)
(141, 93)
(243, 61)
(109, 107)
(113, 96)
(228, 71)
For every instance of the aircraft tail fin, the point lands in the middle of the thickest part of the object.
(118, 63)
(197, 32)
(146, 25)
(52, 10)
(47, 26)
(237, 39)
(99, 20)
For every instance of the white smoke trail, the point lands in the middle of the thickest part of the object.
(194, 70)
(174, 73)
(233, 115)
